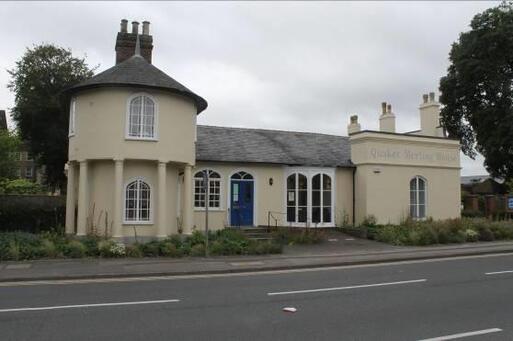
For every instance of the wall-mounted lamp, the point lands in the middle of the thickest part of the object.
(376, 170)
(271, 181)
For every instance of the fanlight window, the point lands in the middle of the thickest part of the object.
(141, 118)
(137, 202)
(214, 189)
(417, 198)
(242, 176)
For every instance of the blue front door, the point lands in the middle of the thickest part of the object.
(241, 203)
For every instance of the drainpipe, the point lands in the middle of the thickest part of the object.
(354, 197)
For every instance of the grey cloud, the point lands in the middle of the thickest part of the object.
(287, 65)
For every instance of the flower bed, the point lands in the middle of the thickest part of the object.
(22, 246)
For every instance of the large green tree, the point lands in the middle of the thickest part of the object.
(41, 111)
(477, 92)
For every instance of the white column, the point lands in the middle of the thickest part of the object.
(82, 200)
(117, 230)
(162, 203)
(187, 200)
(70, 199)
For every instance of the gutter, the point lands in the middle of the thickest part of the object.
(354, 197)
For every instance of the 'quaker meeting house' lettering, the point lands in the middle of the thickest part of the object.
(409, 154)
(137, 154)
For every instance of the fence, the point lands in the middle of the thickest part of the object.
(32, 213)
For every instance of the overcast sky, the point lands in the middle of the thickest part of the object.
(302, 66)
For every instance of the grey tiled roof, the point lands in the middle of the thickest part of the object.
(224, 144)
(136, 71)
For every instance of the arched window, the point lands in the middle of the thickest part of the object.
(137, 202)
(297, 198)
(214, 189)
(242, 176)
(321, 198)
(417, 198)
(141, 118)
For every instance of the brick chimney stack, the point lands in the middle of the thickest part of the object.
(125, 41)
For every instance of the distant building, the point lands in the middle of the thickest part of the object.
(482, 185)
(27, 168)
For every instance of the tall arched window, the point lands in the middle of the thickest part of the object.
(214, 189)
(417, 198)
(141, 118)
(297, 198)
(137, 202)
(321, 198)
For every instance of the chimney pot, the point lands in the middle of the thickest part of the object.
(354, 119)
(383, 107)
(425, 98)
(389, 108)
(123, 28)
(146, 28)
(431, 96)
(135, 27)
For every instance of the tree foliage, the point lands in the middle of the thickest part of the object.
(41, 111)
(9, 143)
(477, 91)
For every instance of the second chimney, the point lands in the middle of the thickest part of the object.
(125, 41)
(387, 119)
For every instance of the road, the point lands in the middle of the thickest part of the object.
(466, 298)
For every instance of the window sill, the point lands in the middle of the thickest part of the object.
(137, 222)
(210, 209)
(71, 135)
(149, 139)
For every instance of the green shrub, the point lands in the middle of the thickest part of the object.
(48, 249)
(34, 214)
(91, 244)
(168, 249)
(74, 249)
(267, 247)
(198, 250)
(486, 235)
(471, 235)
(109, 248)
(151, 249)
(196, 238)
(134, 251)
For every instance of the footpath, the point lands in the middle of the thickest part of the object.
(339, 250)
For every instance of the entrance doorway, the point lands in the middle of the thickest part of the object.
(242, 199)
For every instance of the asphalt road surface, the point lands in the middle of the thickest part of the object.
(467, 299)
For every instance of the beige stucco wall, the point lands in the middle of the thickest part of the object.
(387, 162)
(101, 195)
(100, 126)
(267, 197)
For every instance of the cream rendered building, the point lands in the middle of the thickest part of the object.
(137, 160)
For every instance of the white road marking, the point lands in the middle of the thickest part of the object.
(346, 288)
(87, 305)
(242, 274)
(462, 335)
(499, 272)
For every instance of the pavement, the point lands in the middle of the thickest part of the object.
(338, 250)
(443, 299)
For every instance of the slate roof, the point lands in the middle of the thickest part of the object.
(136, 71)
(225, 144)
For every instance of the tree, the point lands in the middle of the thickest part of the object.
(41, 111)
(9, 143)
(477, 92)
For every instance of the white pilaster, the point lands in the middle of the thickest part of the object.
(162, 226)
(187, 200)
(117, 230)
(70, 199)
(82, 199)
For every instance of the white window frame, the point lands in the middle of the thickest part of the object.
(138, 221)
(417, 197)
(72, 117)
(210, 180)
(29, 174)
(310, 172)
(155, 118)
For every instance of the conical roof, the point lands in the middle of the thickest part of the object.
(136, 71)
